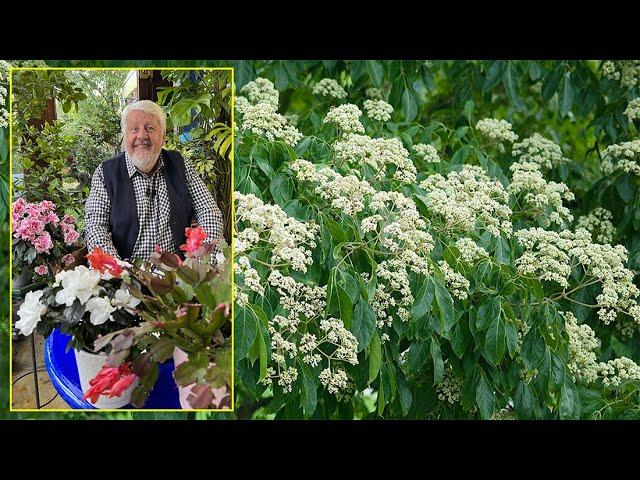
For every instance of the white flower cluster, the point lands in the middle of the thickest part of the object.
(378, 110)
(305, 304)
(545, 254)
(498, 130)
(392, 279)
(469, 250)
(262, 119)
(405, 233)
(261, 90)
(456, 283)
(582, 360)
(4, 81)
(335, 381)
(30, 312)
(241, 105)
(450, 388)
(250, 278)
(543, 199)
(344, 193)
(598, 222)
(377, 152)
(626, 71)
(469, 199)
(292, 118)
(539, 150)
(328, 87)
(549, 255)
(622, 156)
(427, 153)
(291, 241)
(346, 117)
(633, 110)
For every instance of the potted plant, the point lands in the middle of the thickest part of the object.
(186, 307)
(86, 303)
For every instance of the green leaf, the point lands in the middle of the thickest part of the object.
(487, 313)
(493, 75)
(445, 305)
(551, 82)
(265, 166)
(418, 352)
(244, 331)
(468, 109)
(281, 188)
(409, 105)
(533, 349)
(495, 343)
(405, 395)
(438, 364)
(460, 339)
(510, 81)
(523, 401)
(423, 300)
(484, 398)
(565, 97)
(569, 402)
(626, 187)
(511, 337)
(375, 357)
(308, 391)
(375, 71)
(346, 307)
(261, 338)
(363, 324)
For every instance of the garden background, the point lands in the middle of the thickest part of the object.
(497, 336)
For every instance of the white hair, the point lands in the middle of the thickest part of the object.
(146, 106)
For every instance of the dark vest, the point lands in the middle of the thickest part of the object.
(124, 221)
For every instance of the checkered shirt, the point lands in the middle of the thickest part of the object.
(152, 202)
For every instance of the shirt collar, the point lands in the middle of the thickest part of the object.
(131, 168)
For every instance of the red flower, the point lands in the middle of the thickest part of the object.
(195, 236)
(103, 261)
(110, 381)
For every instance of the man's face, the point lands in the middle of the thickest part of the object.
(143, 139)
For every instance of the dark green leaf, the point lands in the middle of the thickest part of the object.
(484, 398)
(244, 332)
(565, 97)
(495, 342)
(438, 364)
(375, 357)
(409, 105)
(417, 355)
(308, 392)
(445, 306)
(364, 324)
(375, 71)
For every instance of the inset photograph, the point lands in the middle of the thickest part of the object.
(121, 239)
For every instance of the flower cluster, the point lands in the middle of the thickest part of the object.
(598, 222)
(289, 240)
(261, 90)
(356, 150)
(542, 200)
(583, 364)
(539, 150)
(328, 87)
(469, 199)
(111, 382)
(496, 130)
(450, 388)
(378, 110)
(4, 77)
(625, 71)
(456, 283)
(549, 256)
(263, 120)
(346, 117)
(41, 235)
(622, 156)
(469, 250)
(633, 110)
(427, 153)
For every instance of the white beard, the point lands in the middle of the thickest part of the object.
(144, 161)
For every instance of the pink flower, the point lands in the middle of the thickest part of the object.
(43, 243)
(68, 219)
(33, 210)
(46, 205)
(51, 218)
(68, 259)
(41, 270)
(70, 237)
(18, 207)
(195, 236)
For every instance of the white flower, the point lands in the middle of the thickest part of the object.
(633, 110)
(261, 90)
(328, 87)
(346, 117)
(428, 153)
(30, 312)
(101, 310)
(80, 283)
(537, 149)
(124, 299)
(378, 110)
(499, 130)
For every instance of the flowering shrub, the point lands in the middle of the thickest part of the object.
(42, 240)
(390, 268)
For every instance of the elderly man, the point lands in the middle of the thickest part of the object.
(146, 196)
